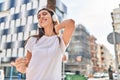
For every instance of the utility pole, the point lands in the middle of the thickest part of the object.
(114, 38)
(0, 61)
(0, 51)
(115, 47)
(116, 54)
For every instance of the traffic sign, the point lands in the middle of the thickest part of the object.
(111, 40)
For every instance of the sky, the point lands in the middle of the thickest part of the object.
(95, 15)
(1, 1)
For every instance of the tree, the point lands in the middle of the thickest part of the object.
(51, 4)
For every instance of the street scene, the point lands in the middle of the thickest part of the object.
(88, 35)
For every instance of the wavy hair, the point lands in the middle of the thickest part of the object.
(41, 31)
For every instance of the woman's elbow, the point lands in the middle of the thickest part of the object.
(72, 23)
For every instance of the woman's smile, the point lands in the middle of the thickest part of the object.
(43, 21)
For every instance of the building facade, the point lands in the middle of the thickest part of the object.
(93, 51)
(105, 58)
(116, 26)
(18, 20)
(79, 50)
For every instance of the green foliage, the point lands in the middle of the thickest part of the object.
(75, 77)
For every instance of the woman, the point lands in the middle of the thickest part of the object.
(45, 50)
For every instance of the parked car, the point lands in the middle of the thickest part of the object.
(97, 75)
(1, 74)
(105, 76)
(115, 76)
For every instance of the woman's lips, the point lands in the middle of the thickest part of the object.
(44, 20)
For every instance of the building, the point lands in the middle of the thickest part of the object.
(116, 27)
(105, 58)
(93, 51)
(18, 20)
(79, 50)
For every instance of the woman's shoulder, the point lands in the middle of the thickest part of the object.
(31, 39)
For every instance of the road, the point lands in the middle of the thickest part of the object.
(98, 79)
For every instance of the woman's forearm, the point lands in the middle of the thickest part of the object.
(65, 24)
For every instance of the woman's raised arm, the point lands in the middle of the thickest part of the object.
(68, 26)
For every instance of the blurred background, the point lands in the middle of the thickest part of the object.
(89, 51)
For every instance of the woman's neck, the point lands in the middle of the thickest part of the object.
(49, 30)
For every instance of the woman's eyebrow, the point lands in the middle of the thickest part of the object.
(41, 13)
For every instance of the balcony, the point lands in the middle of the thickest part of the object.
(94, 59)
(102, 58)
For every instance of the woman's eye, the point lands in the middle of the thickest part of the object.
(44, 13)
(38, 16)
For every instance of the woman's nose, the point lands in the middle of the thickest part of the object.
(41, 17)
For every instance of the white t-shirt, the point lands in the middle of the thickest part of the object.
(46, 60)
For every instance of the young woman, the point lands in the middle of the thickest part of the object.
(44, 51)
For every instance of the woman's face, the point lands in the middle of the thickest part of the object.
(44, 18)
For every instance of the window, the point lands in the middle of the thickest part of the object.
(20, 36)
(8, 53)
(7, 24)
(18, 23)
(30, 20)
(26, 1)
(3, 19)
(19, 29)
(117, 16)
(16, 16)
(14, 37)
(31, 12)
(34, 26)
(8, 38)
(3, 54)
(12, 3)
(8, 45)
(23, 21)
(20, 52)
(5, 31)
(3, 38)
(1, 6)
(23, 11)
(2, 26)
(12, 10)
(35, 4)
(33, 32)
(12, 24)
(26, 35)
(35, 19)
(14, 52)
(17, 10)
(21, 44)
(29, 6)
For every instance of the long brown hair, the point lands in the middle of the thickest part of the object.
(41, 31)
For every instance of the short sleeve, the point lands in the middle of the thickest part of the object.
(62, 44)
(29, 44)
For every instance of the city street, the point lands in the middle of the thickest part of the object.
(98, 79)
(89, 50)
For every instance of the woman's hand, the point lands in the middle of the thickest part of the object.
(21, 64)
